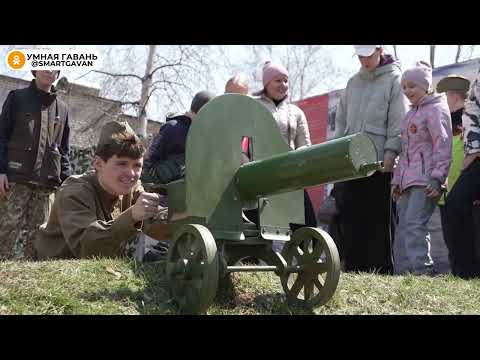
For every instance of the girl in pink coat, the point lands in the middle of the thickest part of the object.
(426, 136)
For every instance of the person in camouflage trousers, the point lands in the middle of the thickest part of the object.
(24, 206)
(81, 160)
(34, 145)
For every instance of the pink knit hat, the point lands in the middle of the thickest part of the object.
(420, 74)
(271, 70)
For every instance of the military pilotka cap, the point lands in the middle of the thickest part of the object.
(114, 130)
(453, 83)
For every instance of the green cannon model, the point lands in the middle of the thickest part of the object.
(209, 234)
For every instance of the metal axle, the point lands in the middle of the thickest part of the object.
(248, 268)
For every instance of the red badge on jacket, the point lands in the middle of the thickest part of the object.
(413, 128)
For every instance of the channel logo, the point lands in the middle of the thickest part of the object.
(50, 59)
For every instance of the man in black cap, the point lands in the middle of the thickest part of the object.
(442, 248)
(165, 161)
(34, 145)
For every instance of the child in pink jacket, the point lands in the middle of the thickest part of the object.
(426, 135)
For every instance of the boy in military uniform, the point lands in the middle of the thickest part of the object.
(100, 213)
(34, 145)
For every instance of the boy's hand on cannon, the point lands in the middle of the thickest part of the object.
(147, 206)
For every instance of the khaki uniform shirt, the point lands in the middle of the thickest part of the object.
(87, 221)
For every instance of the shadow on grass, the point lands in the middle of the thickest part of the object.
(152, 299)
(230, 300)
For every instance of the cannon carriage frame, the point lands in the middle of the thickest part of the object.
(209, 235)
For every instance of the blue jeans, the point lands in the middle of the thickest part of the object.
(411, 248)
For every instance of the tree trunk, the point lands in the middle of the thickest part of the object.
(395, 51)
(459, 50)
(146, 85)
(302, 90)
(432, 56)
(472, 47)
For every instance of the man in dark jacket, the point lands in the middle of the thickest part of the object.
(165, 161)
(461, 211)
(34, 144)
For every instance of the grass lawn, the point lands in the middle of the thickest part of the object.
(107, 286)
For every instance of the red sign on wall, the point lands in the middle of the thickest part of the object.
(316, 111)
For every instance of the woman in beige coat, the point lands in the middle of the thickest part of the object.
(290, 119)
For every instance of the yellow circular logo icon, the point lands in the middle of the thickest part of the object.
(16, 59)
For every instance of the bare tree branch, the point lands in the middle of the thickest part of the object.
(118, 75)
(459, 50)
(81, 76)
(472, 48)
(432, 55)
(135, 103)
(164, 66)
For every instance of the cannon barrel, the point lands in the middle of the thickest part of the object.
(347, 158)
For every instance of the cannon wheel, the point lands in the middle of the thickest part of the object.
(193, 268)
(314, 250)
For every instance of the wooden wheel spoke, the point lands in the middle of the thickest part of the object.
(182, 250)
(320, 267)
(306, 245)
(191, 242)
(196, 251)
(297, 285)
(318, 249)
(297, 252)
(308, 289)
(188, 247)
(319, 283)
